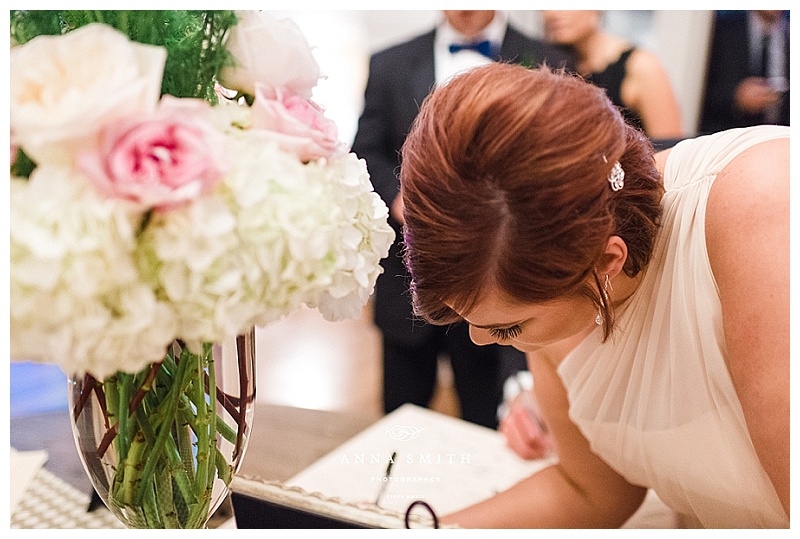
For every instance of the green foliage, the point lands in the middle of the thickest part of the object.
(25, 25)
(23, 166)
(193, 39)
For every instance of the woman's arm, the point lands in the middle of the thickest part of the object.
(580, 491)
(747, 233)
(647, 91)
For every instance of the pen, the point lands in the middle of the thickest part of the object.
(386, 476)
(527, 402)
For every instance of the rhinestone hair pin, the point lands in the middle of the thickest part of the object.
(616, 178)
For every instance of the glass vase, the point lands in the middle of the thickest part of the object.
(160, 446)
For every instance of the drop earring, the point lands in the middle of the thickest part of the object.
(606, 287)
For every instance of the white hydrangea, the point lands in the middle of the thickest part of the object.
(362, 237)
(98, 287)
(276, 234)
(76, 297)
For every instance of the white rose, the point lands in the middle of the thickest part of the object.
(272, 51)
(59, 101)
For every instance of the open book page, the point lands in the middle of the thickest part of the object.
(447, 462)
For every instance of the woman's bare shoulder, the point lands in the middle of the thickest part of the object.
(756, 180)
(661, 161)
(747, 216)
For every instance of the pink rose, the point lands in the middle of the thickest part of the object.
(160, 160)
(298, 125)
(64, 88)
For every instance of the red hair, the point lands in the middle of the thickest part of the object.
(505, 183)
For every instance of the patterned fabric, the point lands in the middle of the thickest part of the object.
(50, 503)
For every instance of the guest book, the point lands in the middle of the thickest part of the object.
(430, 457)
(412, 458)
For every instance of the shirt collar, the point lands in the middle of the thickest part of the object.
(495, 32)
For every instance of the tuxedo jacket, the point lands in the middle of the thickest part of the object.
(400, 77)
(728, 65)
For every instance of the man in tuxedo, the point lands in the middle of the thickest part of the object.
(747, 81)
(400, 77)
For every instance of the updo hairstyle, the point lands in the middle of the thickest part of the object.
(504, 178)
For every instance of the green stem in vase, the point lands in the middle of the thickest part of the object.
(160, 434)
(150, 508)
(112, 399)
(133, 468)
(225, 430)
(183, 438)
(225, 470)
(159, 502)
(144, 424)
(124, 393)
(206, 436)
(213, 422)
(212, 414)
(179, 471)
(164, 415)
(163, 425)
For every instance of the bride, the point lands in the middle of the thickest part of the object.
(650, 293)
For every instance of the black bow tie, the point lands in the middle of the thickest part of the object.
(482, 47)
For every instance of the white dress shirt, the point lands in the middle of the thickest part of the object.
(447, 64)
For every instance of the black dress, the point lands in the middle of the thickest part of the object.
(611, 79)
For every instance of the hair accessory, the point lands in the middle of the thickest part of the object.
(617, 177)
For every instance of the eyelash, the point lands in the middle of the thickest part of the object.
(504, 334)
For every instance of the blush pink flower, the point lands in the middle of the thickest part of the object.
(297, 124)
(161, 160)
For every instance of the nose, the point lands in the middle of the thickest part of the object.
(481, 337)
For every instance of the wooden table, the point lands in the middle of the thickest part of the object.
(285, 440)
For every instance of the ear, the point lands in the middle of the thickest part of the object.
(614, 257)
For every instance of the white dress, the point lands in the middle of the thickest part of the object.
(656, 401)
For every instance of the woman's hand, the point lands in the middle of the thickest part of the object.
(525, 432)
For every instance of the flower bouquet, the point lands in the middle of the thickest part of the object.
(172, 187)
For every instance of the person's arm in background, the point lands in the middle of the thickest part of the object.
(648, 91)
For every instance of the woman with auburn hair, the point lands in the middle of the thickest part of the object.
(649, 291)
